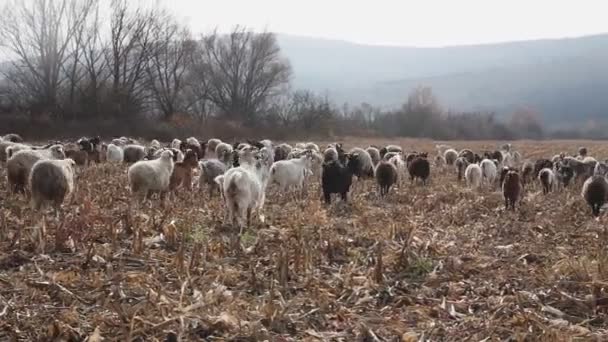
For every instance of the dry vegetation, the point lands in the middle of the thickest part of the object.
(430, 263)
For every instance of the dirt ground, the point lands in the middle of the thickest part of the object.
(429, 263)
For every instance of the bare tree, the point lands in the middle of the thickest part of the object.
(170, 55)
(128, 53)
(244, 69)
(39, 34)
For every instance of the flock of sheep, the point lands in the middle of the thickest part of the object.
(241, 171)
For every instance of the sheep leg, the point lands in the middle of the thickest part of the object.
(248, 218)
(344, 196)
(327, 197)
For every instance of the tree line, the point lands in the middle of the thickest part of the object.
(132, 69)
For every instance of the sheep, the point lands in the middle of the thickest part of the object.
(155, 144)
(4, 145)
(182, 171)
(337, 176)
(148, 176)
(312, 146)
(212, 145)
(488, 172)
(12, 137)
(473, 175)
(399, 164)
(595, 191)
(496, 155)
(80, 157)
(541, 164)
(20, 165)
(133, 153)
(366, 166)
(176, 143)
(527, 171)
(419, 168)
(439, 161)
(51, 181)
(114, 154)
(516, 157)
(601, 169)
(564, 174)
(390, 155)
(450, 156)
(291, 173)
(468, 155)
(210, 170)
(193, 144)
(386, 176)
(390, 148)
(330, 154)
(244, 189)
(582, 152)
(511, 189)
(374, 153)
(582, 169)
(282, 151)
(461, 164)
(558, 157)
(222, 150)
(441, 149)
(178, 155)
(301, 146)
(546, 177)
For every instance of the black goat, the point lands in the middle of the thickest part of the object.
(337, 176)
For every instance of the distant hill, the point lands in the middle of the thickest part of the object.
(562, 78)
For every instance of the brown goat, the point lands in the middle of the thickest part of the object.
(511, 189)
(81, 158)
(182, 171)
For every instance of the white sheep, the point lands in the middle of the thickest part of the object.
(441, 148)
(291, 173)
(374, 153)
(20, 165)
(155, 144)
(223, 151)
(243, 189)
(301, 146)
(212, 144)
(547, 179)
(176, 143)
(365, 162)
(312, 146)
(147, 176)
(450, 156)
(401, 167)
(489, 172)
(473, 175)
(51, 181)
(114, 154)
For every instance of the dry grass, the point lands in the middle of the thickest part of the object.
(440, 262)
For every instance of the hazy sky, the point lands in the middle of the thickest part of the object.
(405, 22)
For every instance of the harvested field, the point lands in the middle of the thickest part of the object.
(438, 263)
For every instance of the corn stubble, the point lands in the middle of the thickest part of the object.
(439, 262)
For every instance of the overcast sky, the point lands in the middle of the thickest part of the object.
(405, 22)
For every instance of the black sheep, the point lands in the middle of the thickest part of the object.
(419, 168)
(564, 174)
(511, 189)
(337, 177)
(386, 176)
(542, 164)
(468, 155)
(595, 191)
